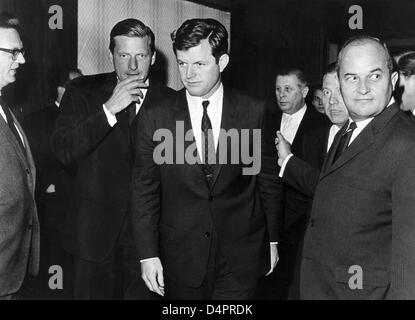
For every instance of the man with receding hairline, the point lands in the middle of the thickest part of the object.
(359, 242)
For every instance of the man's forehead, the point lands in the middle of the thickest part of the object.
(368, 54)
(10, 38)
(287, 79)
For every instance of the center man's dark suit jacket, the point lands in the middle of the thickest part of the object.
(103, 158)
(175, 211)
(363, 215)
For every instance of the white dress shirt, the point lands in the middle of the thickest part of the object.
(332, 133)
(214, 111)
(112, 120)
(290, 123)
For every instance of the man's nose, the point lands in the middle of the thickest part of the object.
(20, 58)
(334, 99)
(132, 64)
(363, 87)
(189, 72)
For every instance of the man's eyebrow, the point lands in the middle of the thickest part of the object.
(375, 70)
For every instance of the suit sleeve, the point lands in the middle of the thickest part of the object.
(145, 201)
(269, 184)
(403, 230)
(301, 176)
(80, 127)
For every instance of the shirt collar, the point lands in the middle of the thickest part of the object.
(215, 99)
(363, 123)
(297, 115)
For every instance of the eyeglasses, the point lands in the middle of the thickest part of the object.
(14, 52)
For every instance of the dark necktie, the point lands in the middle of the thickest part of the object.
(11, 125)
(131, 110)
(344, 141)
(208, 144)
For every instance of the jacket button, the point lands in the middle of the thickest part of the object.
(207, 234)
(28, 171)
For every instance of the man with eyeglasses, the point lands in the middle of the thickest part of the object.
(19, 226)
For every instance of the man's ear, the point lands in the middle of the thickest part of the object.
(110, 56)
(304, 91)
(394, 78)
(223, 61)
(153, 58)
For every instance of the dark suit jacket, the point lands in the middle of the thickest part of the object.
(19, 225)
(303, 175)
(103, 159)
(175, 211)
(363, 215)
(52, 207)
(296, 205)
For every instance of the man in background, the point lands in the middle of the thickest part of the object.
(54, 185)
(296, 121)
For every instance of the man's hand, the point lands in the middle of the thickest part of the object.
(152, 274)
(283, 148)
(274, 257)
(126, 91)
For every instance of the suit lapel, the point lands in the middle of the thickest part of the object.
(363, 141)
(229, 121)
(182, 114)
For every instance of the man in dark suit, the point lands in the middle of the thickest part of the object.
(207, 227)
(93, 133)
(54, 185)
(359, 242)
(303, 175)
(19, 226)
(296, 121)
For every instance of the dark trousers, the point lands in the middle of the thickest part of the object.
(117, 277)
(219, 282)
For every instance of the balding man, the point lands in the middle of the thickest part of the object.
(359, 243)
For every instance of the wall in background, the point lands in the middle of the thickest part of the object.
(97, 17)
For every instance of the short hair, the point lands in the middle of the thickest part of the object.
(299, 73)
(193, 31)
(9, 21)
(363, 39)
(331, 68)
(406, 64)
(65, 76)
(131, 28)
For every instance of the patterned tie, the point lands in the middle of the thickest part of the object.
(208, 144)
(11, 125)
(344, 141)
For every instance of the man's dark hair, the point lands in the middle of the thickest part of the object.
(64, 76)
(363, 39)
(406, 64)
(294, 71)
(132, 28)
(193, 31)
(9, 21)
(331, 68)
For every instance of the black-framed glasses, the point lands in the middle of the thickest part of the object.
(14, 52)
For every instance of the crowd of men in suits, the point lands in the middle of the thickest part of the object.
(328, 216)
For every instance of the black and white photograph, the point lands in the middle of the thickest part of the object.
(204, 156)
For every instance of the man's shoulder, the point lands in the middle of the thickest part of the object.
(89, 82)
